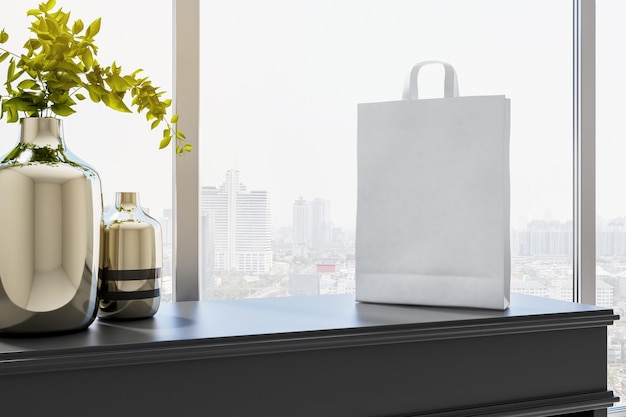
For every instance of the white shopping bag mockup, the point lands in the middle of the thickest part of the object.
(433, 199)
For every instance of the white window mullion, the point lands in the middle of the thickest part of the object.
(186, 194)
(584, 263)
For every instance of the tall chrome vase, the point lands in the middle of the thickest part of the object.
(131, 261)
(50, 210)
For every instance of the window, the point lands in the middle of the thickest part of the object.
(279, 88)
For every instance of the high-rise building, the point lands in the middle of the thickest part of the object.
(320, 224)
(240, 222)
(300, 222)
(301, 229)
(611, 238)
(542, 238)
(311, 225)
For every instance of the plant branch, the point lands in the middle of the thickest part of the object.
(9, 52)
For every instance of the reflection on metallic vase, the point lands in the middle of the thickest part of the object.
(50, 209)
(131, 261)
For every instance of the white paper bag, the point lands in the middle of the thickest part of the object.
(433, 199)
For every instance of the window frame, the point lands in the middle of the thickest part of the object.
(584, 142)
(186, 192)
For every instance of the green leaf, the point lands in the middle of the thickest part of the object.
(47, 6)
(61, 98)
(4, 56)
(93, 28)
(130, 80)
(45, 36)
(114, 102)
(27, 84)
(80, 96)
(165, 142)
(53, 27)
(16, 76)
(11, 71)
(87, 58)
(13, 115)
(95, 97)
(78, 26)
(3, 36)
(33, 12)
(32, 44)
(19, 104)
(51, 65)
(40, 25)
(180, 134)
(68, 66)
(93, 94)
(174, 119)
(62, 110)
(63, 18)
(69, 80)
(188, 148)
(118, 83)
(155, 124)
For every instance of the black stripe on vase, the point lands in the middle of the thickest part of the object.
(129, 295)
(129, 274)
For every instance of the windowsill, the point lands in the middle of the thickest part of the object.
(271, 333)
(185, 330)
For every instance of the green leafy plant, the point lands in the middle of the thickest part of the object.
(59, 68)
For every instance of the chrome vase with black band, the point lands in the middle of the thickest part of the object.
(131, 261)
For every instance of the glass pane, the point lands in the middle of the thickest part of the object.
(120, 146)
(280, 85)
(610, 200)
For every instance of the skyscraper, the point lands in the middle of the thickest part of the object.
(301, 229)
(241, 226)
(320, 224)
(311, 225)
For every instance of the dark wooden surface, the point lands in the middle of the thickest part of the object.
(319, 356)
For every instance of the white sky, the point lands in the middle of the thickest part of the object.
(281, 80)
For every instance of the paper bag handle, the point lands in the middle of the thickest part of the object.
(450, 87)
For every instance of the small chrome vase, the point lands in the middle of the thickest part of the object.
(131, 261)
(50, 210)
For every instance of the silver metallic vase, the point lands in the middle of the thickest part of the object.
(131, 261)
(50, 210)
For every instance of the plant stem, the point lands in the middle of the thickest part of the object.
(15, 55)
